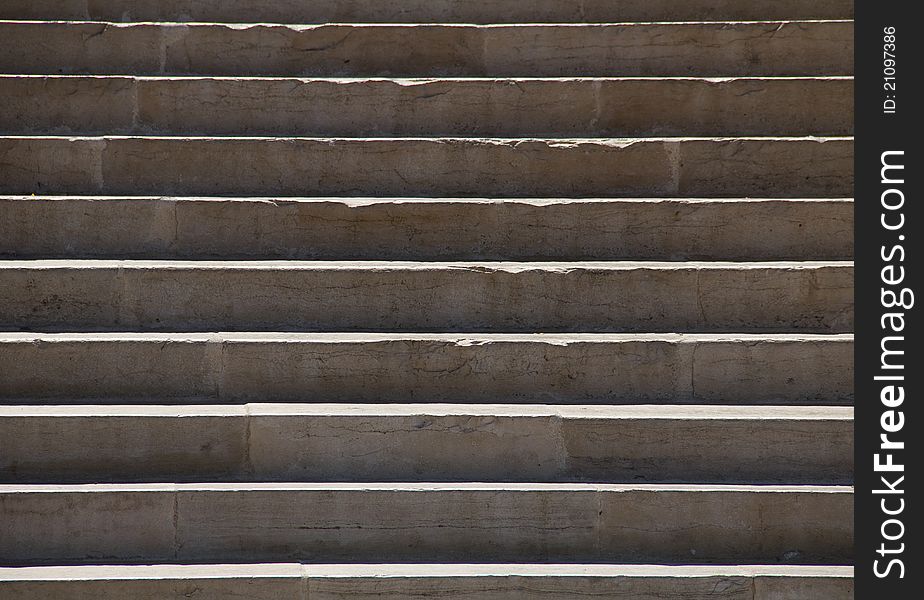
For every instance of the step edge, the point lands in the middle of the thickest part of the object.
(461, 339)
(646, 412)
(325, 571)
(418, 487)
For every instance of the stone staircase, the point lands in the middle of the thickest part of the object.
(508, 299)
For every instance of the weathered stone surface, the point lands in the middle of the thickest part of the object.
(155, 582)
(335, 442)
(107, 367)
(590, 132)
(425, 107)
(462, 522)
(517, 585)
(142, 443)
(721, 49)
(54, 524)
(725, 371)
(390, 581)
(435, 167)
(426, 296)
(519, 368)
(425, 229)
(785, 588)
(410, 11)
(711, 443)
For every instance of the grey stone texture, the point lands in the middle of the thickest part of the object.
(707, 49)
(552, 298)
(435, 442)
(61, 295)
(530, 107)
(508, 167)
(484, 368)
(436, 11)
(490, 582)
(426, 229)
(460, 522)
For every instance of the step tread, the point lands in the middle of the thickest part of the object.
(413, 25)
(420, 81)
(397, 265)
(420, 581)
(459, 339)
(404, 10)
(430, 10)
(213, 571)
(615, 412)
(418, 487)
(401, 200)
(491, 141)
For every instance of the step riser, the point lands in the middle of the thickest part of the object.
(564, 370)
(409, 587)
(443, 524)
(254, 444)
(695, 49)
(436, 297)
(425, 230)
(432, 11)
(768, 167)
(595, 108)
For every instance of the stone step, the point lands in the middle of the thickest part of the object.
(425, 229)
(425, 11)
(411, 522)
(508, 368)
(714, 49)
(434, 167)
(423, 581)
(594, 107)
(110, 295)
(416, 442)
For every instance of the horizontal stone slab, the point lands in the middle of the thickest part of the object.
(436, 442)
(701, 167)
(461, 522)
(515, 368)
(106, 295)
(425, 229)
(466, 107)
(411, 11)
(713, 49)
(393, 581)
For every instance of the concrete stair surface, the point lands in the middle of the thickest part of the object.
(397, 581)
(460, 522)
(425, 229)
(505, 300)
(389, 367)
(426, 296)
(430, 442)
(425, 11)
(503, 167)
(552, 107)
(710, 49)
